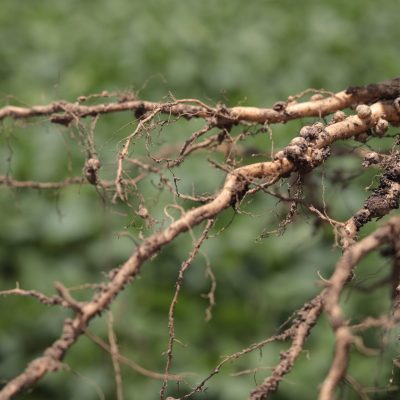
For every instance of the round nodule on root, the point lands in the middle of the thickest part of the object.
(319, 126)
(93, 164)
(279, 155)
(371, 158)
(361, 137)
(292, 152)
(338, 116)
(396, 103)
(299, 141)
(381, 127)
(320, 155)
(363, 111)
(309, 132)
(305, 131)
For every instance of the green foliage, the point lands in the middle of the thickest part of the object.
(229, 51)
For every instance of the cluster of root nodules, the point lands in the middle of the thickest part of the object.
(358, 122)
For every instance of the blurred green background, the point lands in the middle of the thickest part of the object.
(229, 51)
